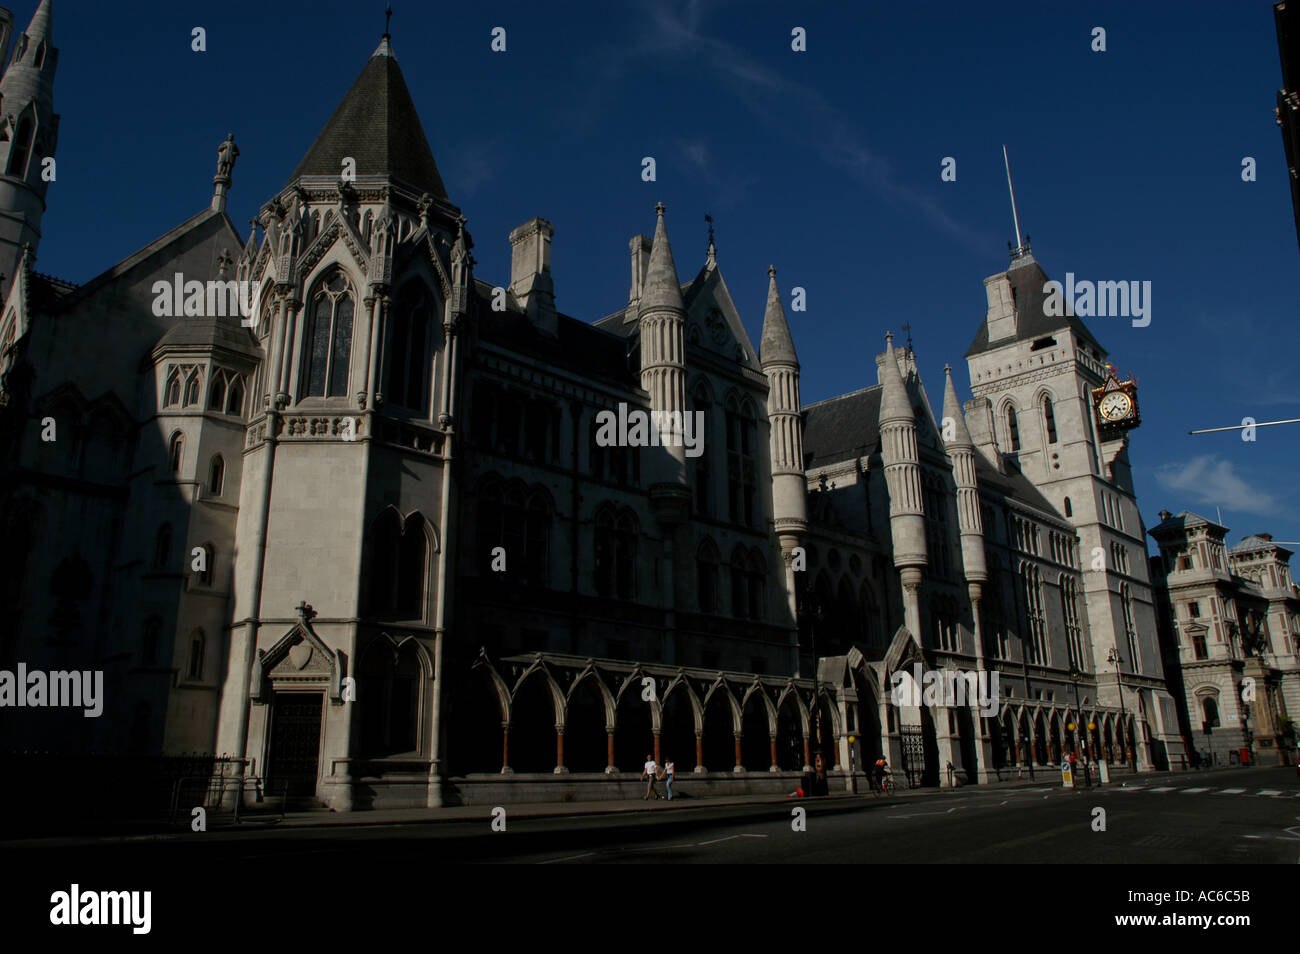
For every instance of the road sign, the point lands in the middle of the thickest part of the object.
(1067, 777)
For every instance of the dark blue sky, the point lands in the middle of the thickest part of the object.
(1127, 166)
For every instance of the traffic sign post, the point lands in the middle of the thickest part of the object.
(1067, 777)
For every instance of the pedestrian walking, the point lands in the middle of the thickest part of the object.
(649, 773)
(669, 774)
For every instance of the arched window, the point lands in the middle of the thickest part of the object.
(399, 557)
(605, 552)
(149, 639)
(235, 399)
(329, 338)
(537, 546)
(1013, 429)
(216, 476)
(192, 389)
(390, 699)
(1049, 417)
(217, 395)
(757, 585)
(1210, 710)
(625, 554)
(741, 438)
(706, 576)
(739, 579)
(703, 474)
(162, 546)
(21, 149)
(209, 559)
(1070, 614)
(412, 559)
(172, 396)
(408, 381)
(1069, 508)
(197, 648)
(175, 448)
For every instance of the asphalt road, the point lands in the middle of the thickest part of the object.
(1244, 816)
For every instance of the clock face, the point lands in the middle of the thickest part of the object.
(1115, 406)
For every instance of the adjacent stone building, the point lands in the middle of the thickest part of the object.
(370, 546)
(1230, 624)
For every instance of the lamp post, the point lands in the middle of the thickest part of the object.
(1075, 675)
(814, 612)
(1113, 656)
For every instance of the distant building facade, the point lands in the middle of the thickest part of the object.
(1230, 624)
(375, 544)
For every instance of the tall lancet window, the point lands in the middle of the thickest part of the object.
(408, 375)
(329, 337)
(22, 148)
(1049, 418)
(1013, 429)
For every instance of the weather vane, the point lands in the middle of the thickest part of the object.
(388, 15)
(908, 329)
(708, 218)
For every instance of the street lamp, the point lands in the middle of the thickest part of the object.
(1113, 656)
(1075, 676)
(814, 612)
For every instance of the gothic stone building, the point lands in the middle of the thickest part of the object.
(1230, 626)
(372, 546)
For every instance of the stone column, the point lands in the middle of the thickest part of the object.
(739, 766)
(807, 755)
(775, 767)
(610, 767)
(505, 749)
(559, 751)
(699, 754)
(657, 750)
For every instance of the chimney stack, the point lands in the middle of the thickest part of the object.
(530, 273)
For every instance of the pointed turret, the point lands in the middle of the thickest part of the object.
(789, 484)
(894, 404)
(376, 125)
(661, 289)
(776, 346)
(903, 477)
(29, 132)
(662, 329)
(952, 412)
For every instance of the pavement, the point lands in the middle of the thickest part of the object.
(1046, 780)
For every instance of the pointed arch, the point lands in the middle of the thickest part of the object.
(328, 335)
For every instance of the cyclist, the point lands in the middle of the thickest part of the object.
(882, 769)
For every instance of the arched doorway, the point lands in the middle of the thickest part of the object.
(473, 717)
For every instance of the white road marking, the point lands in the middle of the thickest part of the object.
(716, 841)
(1270, 791)
(1232, 791)
(1194, 791)
(919, 814)
(1165, 788)
(585, 854)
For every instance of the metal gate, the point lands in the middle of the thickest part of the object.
(913, 743)
(295, 743)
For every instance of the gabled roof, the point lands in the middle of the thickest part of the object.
(377, 125)
(207, 334)
(1027, 280)
(841, 428)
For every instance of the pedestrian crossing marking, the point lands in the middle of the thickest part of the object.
(1270, 791)
(1194, 791)
(1165, 788)
(1232, 791)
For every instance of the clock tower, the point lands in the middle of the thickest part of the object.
(1048, 406)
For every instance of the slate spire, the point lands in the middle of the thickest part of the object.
(894, 404)
(952, 410)
(377, 125)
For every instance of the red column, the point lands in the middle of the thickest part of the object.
(807, 753)
(505, 747)
(657, 758)
(699, 749)
(739, 764)
(610, 749)
(773, 740)
(559, 747)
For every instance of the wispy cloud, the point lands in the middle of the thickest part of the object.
(1208, 479)
(772, 98)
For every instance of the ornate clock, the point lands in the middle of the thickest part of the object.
(1115, 404)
